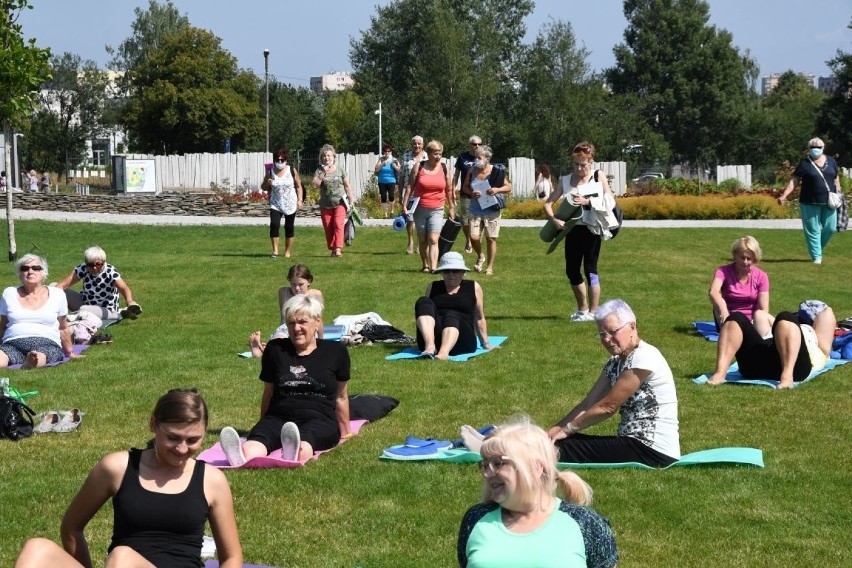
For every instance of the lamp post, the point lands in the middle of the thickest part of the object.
(266, 81)
(379, 112)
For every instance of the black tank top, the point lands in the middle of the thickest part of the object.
(463, 301)
(167, 529)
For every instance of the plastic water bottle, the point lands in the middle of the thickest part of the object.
(4, 386)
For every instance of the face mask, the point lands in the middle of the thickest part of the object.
(815, 152)
(479, 164)
(280, 165)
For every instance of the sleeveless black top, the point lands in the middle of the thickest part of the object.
(166, 529)
(463, 301)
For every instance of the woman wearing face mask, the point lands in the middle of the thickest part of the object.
(817, 174)
(333, 184)
(484, 178)
(285, 198)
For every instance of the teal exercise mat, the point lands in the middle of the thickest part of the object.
(734, 376)
(741, 456)
(567, 212)
(414, 353)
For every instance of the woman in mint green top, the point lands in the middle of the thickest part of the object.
(521, 523)
(335, 198)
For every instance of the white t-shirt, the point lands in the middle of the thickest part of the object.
(23, 322)
(650, 414)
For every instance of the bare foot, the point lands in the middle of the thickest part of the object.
(785, 383)
(256, 344)
(32, 360)
(716, 379)
(472, 438)
(442, 355)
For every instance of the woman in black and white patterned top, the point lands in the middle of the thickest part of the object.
(635, 382)
(102, 284)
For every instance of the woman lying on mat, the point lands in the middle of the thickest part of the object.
(521, 522)
(637, 383)
(162, 498)
(305, 405)
(742, 287)
(32, 319)
(450, 315)
(300, 278)
(799, 344)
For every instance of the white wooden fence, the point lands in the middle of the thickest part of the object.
(242, 172)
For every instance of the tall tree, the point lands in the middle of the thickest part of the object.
(295, 118)
(792, 109)
(70, 112)
(835, 118)
(149, 31)
(23, 67)
(189, 96)
(693, 86)
(343, 112)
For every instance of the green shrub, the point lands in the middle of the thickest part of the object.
(706, 207)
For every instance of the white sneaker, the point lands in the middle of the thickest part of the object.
(818, 261)
(230, 442)
(582, 316)
(290, 442)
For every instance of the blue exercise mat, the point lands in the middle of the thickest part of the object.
(742, 456)
(735, 377)
(414, 353)
(707, 330)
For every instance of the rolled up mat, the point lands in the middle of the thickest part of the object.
(565, 212)
(399, 223)
(448, 235)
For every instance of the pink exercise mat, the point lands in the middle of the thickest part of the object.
(77, 350)
(216, 457)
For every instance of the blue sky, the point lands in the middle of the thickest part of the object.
(307, 39)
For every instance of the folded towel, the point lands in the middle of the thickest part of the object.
(413, 353)
(734, 376)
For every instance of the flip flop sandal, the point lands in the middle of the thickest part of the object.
(49, 421)
(69, 421)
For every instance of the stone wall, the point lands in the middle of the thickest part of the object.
(163, 204)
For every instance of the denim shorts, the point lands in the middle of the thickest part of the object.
(429, 220)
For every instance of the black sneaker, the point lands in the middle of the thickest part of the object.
(100, 338)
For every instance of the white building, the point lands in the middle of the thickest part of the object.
(769, 82)
(336, 81)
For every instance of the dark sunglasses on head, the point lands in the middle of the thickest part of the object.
(34, 268)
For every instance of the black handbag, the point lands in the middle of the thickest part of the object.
(16, 419)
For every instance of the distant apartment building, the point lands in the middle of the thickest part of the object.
(337, 81)
(769, 82)
(829, 85)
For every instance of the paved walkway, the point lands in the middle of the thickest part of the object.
(188, 220)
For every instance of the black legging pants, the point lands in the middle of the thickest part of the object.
(275, 224)
(582, 247)
(585, 448)
(758, 358)
(467, 342)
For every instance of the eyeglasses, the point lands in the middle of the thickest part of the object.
(490, 467)
(34, 268)
(610, 334)
(582, 164)
(94, 264)
(476, 143)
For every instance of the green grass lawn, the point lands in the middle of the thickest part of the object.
(204, 289)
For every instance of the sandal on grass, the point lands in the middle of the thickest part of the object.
(49, 420)
(69, 421)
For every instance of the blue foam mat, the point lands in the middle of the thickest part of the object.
(735, 377)
(414, 353)
(707, 330)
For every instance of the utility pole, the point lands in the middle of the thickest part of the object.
(266, 81)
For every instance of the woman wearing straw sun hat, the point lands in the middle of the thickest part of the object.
(450, 315)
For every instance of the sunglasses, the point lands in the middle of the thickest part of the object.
(476, 143)
(453, 271)
(34, 268)
(94, 264)
(492, 466)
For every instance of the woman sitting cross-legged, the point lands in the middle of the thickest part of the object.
(521, 523)
(305, 405)
(793, 351)
(450, 316)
